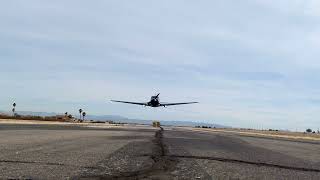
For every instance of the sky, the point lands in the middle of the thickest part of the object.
(251, 63)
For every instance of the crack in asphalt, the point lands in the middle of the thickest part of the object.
(246, 162)
(162, 164)
(43, 163)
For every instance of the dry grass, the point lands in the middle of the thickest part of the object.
(19, 121)
(276, 134)
(34, 118)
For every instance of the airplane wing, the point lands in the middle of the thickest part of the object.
(136, 103)
(174, 104)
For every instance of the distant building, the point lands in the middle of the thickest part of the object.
(61, 117)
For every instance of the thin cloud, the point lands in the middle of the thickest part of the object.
(248, 62)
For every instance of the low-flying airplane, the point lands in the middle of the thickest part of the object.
(154, 102)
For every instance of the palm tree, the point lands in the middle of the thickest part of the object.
(80, 111)
(66, 114)
(83, 115)
(14, 108)
(13, 111)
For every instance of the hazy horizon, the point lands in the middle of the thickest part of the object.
(249, 63)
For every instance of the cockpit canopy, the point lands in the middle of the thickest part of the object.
(155, 98)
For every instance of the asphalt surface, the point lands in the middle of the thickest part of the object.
(72, 152)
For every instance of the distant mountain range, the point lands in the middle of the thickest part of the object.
(122, 119)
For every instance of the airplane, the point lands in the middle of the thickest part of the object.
(154, 102)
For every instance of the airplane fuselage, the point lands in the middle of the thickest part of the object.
(154, 102)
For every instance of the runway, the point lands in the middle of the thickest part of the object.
(79, 152)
